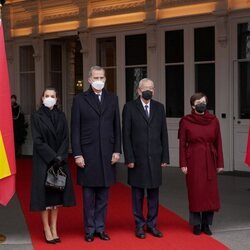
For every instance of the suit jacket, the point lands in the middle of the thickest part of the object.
(96, 135)
(145, 142)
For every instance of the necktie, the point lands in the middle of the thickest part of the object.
(99, 97)
(147, 111)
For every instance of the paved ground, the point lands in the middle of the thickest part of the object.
(231, 224)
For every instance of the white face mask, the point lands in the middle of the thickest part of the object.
(49, 102)
(98, 85)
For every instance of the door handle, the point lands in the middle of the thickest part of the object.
(238, 122)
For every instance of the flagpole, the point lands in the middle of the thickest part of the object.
(2, 237)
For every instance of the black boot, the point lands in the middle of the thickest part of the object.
(197, 229)
(205, 229)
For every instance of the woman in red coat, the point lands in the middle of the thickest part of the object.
(247, 159)
(201, 158)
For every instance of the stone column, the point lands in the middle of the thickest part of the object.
(70, 87)
(85, 43)
(38, 46)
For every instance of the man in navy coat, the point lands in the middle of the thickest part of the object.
(145, 144)
(96, 146)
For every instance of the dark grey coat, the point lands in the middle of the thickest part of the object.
(145, 142)
(48, 142)
(96, 135)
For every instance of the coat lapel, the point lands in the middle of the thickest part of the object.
(152, 110)
(47, 122)
(141, 109)
(91, 99)
(104, 102)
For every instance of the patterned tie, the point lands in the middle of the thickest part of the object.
(147, 111)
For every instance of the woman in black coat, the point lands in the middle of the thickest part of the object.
(50, 148)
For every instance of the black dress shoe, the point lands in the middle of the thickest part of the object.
(155, 232)
(89, 237)
(205, 228)
(102, 235)
(139, 233)
(197, 230)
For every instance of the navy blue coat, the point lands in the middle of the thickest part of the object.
(96, 135)
(145, 142)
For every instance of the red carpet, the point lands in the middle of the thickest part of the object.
(120, 226)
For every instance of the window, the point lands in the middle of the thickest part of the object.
(244, 70)
(174, 71)
(106, 58)
(55, 70)
(135, 63)
(27, 79)
(204, 39)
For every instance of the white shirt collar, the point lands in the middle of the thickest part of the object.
(100, 93)
(143, 103)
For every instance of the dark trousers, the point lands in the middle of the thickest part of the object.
(153, 205)
(201, 218)
(95, 201)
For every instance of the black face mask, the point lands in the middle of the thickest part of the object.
(201, 107)
(147, 94)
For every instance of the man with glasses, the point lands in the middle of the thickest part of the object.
(145, 143)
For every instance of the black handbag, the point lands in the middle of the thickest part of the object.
(56, 179)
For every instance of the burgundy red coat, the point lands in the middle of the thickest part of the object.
(201, 152)
(247, 159)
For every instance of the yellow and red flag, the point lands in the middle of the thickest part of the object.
(7, 151)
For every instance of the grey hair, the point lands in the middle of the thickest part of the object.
(144, 80)
(95, 68)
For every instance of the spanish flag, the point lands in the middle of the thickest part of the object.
(7, 152)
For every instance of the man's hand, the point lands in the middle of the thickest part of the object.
(80, 161)
(164, 164)
(184, 170)
(131, 165)
(115, 158)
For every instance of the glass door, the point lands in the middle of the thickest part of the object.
(241, 78)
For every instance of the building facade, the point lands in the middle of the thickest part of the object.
(183, 45)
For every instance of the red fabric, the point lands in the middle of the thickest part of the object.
(247, 160)
(120, 223)
(7, 184)
(201, 153)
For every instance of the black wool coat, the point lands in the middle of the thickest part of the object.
(48, 143)
(145, 142)
(96, 135)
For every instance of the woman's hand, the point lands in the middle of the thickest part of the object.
(219, 170)
(184, 170)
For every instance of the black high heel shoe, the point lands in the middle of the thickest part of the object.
(58, 240)
(48, 241)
